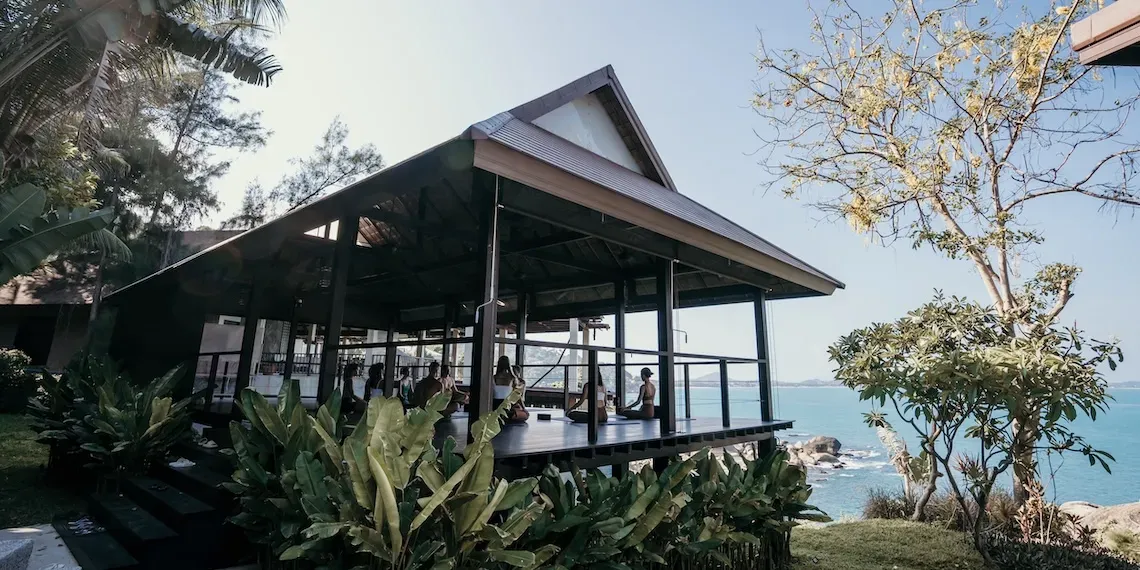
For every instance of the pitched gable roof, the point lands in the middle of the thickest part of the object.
(604, 85)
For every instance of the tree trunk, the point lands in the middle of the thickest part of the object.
(928, 491)
(1024, 464)
(97, 293)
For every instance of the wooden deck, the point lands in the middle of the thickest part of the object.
(525, 449)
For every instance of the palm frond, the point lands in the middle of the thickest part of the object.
(255, 66)
(105, 241)
(100, 89)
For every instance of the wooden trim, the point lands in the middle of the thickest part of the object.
(1103, 24)
(497, 158)
(1092, 53)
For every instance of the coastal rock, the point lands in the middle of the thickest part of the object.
(1096, 517)
(823, 444)
(824, 458)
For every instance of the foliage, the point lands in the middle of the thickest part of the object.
(16, 384)
(942, 123)
(1010, 554)
(58, 59)
(96, 408)
(28, 236)
(949, 371)
(1123, 542)
(944, 511)
(880, 545)
(332, 165)
(385, 496)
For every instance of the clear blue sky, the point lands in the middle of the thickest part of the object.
(408, 75)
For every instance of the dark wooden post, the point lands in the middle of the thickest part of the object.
(524, 319)
(248, 338)
(565, 387)
(291, 349)
(764, 371)
(725, 421)
(213, 381)
(688, 394)
(666, 361)
(486, 312)
(450, 313)
(619, 342)
(390, 354)
(592, 389)
(347, 229)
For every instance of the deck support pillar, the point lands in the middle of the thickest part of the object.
(347, 228)
(619, 471)
(619, 342)
(390, 354)
(764, 370)
(291, 349)
(450, 313)
(486, 191)
(248, 340)
(660, 464)
(523, 318)
(591, 389)
(666, 361)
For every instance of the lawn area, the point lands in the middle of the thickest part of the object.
(24, 500)
(882, 545)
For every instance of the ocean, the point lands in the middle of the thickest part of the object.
(837, 412)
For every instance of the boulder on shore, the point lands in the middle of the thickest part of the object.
(823, 444)
(1120, 517)
(824, 458)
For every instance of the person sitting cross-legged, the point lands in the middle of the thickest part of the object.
(433, 384)
(645, 397)
(583, 415)
(506, 380)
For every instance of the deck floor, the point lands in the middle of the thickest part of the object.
(557, 435)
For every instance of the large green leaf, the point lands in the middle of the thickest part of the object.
(25, 247)
(20, 205)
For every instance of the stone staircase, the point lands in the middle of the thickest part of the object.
(173, 520)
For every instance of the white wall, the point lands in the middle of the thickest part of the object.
(584, 122)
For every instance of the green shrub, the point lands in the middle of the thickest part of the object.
(385, 496)
(1123, 542)
(16, 384)
(943, 510)
(1011, 554)
(95, 409)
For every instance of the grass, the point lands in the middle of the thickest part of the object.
(882, 545)
(24, 499)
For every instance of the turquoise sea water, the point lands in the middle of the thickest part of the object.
(838, 412)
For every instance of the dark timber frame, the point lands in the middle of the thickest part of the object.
(505, 226)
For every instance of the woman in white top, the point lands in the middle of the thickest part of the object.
(505, 381)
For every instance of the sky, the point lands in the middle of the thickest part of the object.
(407, 75)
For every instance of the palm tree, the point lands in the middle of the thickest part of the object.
(60, 57)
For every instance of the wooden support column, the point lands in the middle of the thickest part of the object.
(291, 349)
(450, 314)
(764, 370)
(390, 354)
(666, 361)
(248, 340)
(347, 229)
(524, 318)
(619, 342)
(486, 192)
(591, 389)
(725, 416)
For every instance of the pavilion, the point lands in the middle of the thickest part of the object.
(559, 208)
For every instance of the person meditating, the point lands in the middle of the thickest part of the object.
(583, 415)
(644, 396)
(506, 380)
(433, 384)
